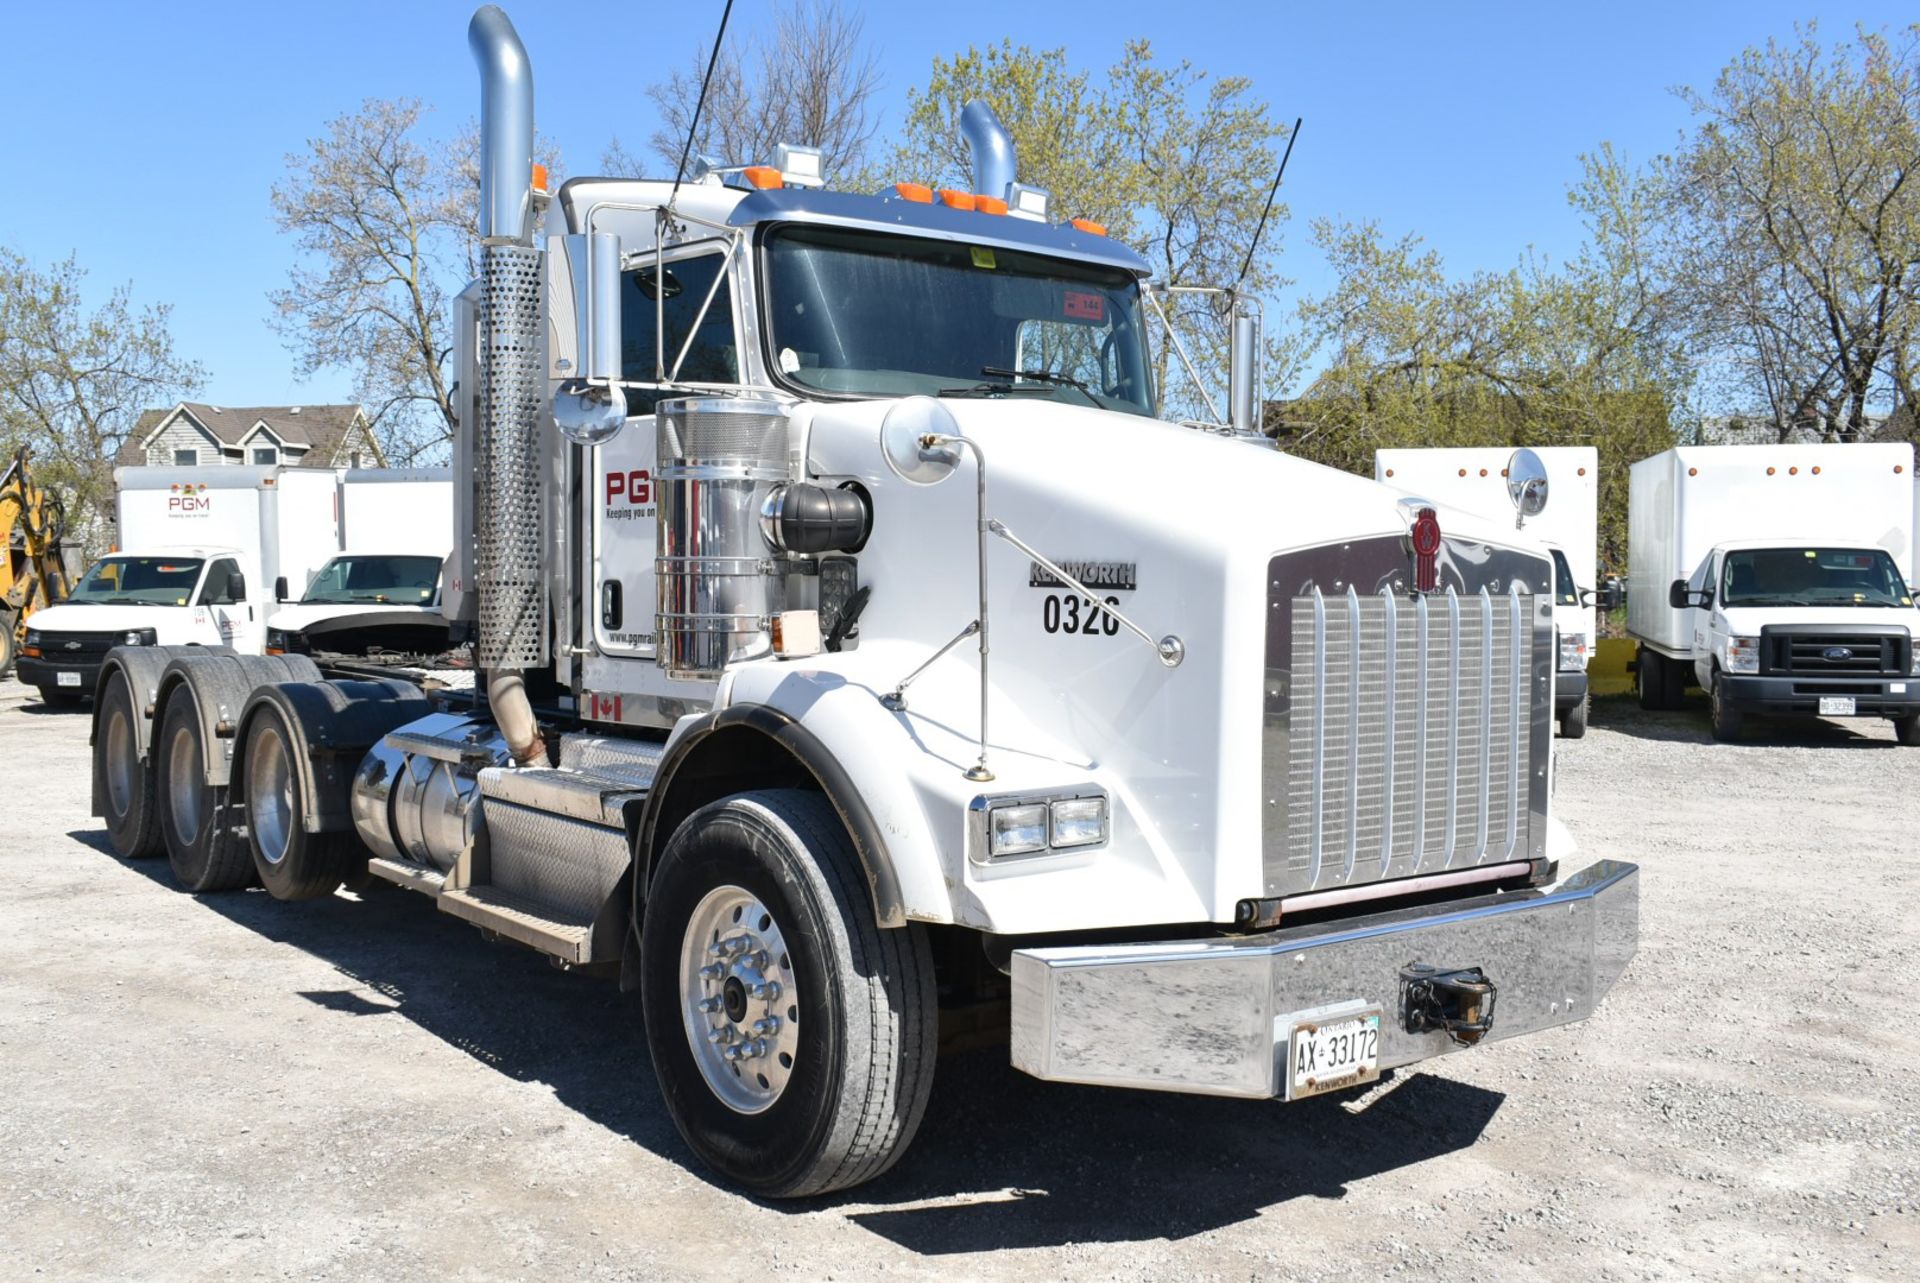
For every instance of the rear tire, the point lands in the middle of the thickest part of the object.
(770, 881)
(126, 785)
(293, 864)
(200, 847)
(7, 625)
(1650, 679)
(1907, 730)
(1727, 720)
(1573, 722)
(1679, 677)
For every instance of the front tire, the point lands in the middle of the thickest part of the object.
(758, 911)
(1573, 723)
(1650, 679)
(1727, 721)
(132, 812)
(293, 864)
(1907, 730)
(203, 854)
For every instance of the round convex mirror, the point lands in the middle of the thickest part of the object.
(902, 440)
(1527, 483)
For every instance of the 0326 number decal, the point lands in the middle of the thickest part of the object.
(1069, 613)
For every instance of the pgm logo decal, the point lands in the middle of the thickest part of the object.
(629, 495)
(188, 500)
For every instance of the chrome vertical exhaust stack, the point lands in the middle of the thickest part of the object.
(506, 128)
(991, 146)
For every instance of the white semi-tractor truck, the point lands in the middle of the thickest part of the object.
(1776, 579)
(859, 647)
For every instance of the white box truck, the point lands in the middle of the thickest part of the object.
(380, 595)
(1777, 579)
(196, 553)
(1474, 479)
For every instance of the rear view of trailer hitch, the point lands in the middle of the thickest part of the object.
(1459, 1002)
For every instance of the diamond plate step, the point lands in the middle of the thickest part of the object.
(592, 798)
(519, 918)
(414, 877)
(634, 762)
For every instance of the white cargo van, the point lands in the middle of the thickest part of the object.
(381, 593)
(1778, 579)
(1474, 479)
(197, 550)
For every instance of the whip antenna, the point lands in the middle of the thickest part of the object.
(1272, 191)
(693, 129)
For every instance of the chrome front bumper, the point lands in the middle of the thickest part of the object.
(1213, 1016)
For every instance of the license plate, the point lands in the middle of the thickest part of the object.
(1332, 1052)
(66, 679)
(1836, 706)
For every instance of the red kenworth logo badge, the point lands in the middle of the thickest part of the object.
(1426, 550)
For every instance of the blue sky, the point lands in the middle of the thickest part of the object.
(147, 140)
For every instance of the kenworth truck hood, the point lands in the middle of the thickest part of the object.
(1180, 528)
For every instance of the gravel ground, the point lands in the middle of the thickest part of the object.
(231, 1088)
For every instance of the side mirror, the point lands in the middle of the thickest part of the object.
(1677, 595)
(590, 408)
(1243, 368)
(280, 588)
(236, 587)
(1613, 594)
(1526, 485)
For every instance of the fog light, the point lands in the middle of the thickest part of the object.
(1016, 830)
(1079, 821)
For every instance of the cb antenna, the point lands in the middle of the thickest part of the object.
(693, 129)
(1272, 191)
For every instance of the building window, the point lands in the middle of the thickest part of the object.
(356, 460)
(266, 455)
(186, 458)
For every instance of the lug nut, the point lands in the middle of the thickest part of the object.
(768, 1025)
(767, 989)
(712, 971)
(711, 1004)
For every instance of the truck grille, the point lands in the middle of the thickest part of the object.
(91, 646)
(1405, 734)
(1838, 654)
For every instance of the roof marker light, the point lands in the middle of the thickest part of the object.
(539, 184)
(953, 199)
(764, 177)
(1088, 226)
(914, 192)
(988, 205)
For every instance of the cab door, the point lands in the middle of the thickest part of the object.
(232, 618)
(624, 536)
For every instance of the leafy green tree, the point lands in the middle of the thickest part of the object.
(74, 379)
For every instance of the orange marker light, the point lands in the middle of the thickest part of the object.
(956, 199)
(1088, 226)
(1389, 471)
(989, 205)
(1581, 472)
(1463, 472)
(1816, 470)
(1769, 471)
(1483, 472)
(914, 192)
(539, 177)
(1693, 472)
(1503, 472)
(764, 177)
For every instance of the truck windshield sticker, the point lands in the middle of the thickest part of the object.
(1079, 305)
(982, 257)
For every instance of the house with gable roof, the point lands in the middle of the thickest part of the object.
(192, 434)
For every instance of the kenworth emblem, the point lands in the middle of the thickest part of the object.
(1094, 574)
(1425, 537)
(1836, 654)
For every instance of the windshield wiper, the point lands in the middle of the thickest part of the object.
(125, 601)
(996, 389)
(1046, 376)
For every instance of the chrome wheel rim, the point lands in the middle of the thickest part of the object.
(184, 785)
(270, 792)
(738, 1000)
(120, 761)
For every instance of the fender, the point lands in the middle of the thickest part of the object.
(142, 667)
(219, 686)
(667, 803)
(335, 724)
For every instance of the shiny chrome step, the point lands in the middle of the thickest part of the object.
(414, 877)
(521, 919)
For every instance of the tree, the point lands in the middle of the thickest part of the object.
(73, 382)
(385, 226)
(1168, 159)
(810, 82)
(1797, 229)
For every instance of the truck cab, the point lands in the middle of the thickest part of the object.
(1806, 628)
(184, 596)
(360, 604)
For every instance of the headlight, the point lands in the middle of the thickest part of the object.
(1034, 825)
(1017, 830)
(1913, 653)
(30, 648)
(139, 637)
(277, 641)
(1573, 652)
(33, 637)
(1743, 654)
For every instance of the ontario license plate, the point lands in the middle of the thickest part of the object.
(66, 679)
(1836, 706)
(1332, 1052)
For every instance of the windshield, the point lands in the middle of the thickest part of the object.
(1811, 577)
(139, 581)
(872, 314)
(391, 580)
(1565, 591)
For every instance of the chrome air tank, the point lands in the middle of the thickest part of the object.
(719, 458)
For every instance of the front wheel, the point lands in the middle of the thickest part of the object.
(1727, 720)
(1650, 678)
(1573, 723)
(1907, 730)
(792, 1037)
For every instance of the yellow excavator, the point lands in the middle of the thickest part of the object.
(32, 521)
